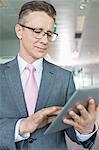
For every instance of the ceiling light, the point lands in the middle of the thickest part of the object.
(80, 23)
(83, 4)
(84, 1)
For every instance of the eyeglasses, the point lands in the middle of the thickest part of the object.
(38, 33)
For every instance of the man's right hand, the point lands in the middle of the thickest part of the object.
(39, 119)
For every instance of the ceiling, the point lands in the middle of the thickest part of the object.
(67, 50)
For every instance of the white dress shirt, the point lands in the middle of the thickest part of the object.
(24, 75)
(38, 74)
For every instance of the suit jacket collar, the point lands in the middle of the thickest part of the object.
(46, 85)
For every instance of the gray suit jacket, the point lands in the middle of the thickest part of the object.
(55, 89)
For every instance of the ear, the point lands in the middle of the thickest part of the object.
(18, 30)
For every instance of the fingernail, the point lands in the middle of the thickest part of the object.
(64, 120)
(71, 113)
(54, 108)
(92, 100)
(79, 106)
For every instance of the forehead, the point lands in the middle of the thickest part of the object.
(39, 19)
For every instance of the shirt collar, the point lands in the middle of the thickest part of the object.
(38, 64)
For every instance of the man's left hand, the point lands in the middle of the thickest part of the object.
(83, 123)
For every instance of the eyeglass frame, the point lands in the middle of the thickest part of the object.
(43, 33)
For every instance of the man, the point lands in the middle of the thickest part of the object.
(22, 125)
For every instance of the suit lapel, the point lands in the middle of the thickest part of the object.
(13, 78)
(14, 82)
(45, 86)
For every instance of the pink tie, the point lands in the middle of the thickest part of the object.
(31, 90)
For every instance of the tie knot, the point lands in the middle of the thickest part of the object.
(31, 68)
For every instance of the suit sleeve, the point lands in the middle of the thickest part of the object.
(7, 122)
(70, 131)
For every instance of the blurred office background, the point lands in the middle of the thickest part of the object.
(77, 46)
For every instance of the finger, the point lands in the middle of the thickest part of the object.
(49, 110)
(70, 122)
(56, 112)
(50, 119)
(91, 106)
(74, 116)
(83, 112)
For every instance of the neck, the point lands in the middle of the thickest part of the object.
(28, 59)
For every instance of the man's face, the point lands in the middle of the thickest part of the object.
(32, 48)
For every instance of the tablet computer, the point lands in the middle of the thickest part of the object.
(79, 96)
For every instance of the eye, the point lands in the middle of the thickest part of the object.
(37, 30)
(49, 34)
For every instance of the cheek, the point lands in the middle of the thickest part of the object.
(29, 42)
(49, 45)
(28, 38)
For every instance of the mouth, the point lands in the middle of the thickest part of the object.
(41, 48)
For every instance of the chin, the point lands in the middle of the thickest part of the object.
(41, 55)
